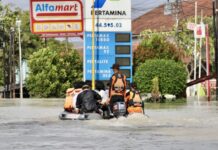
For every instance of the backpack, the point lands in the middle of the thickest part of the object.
(68, 100)
(135, 98)
(118, 84)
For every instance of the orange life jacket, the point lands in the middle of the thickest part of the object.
(134, 102)
(118, 85)
(70, 93)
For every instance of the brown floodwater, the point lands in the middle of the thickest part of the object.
(33, 124)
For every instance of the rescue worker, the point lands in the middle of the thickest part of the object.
(100, 89)
(71, 96)
(117, 90)
(88, 101)
(134, 101)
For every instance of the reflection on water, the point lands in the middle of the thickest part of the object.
(34, 124)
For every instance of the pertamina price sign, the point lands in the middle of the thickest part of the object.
(56, 16)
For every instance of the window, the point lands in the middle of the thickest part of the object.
(122, 37)
(123, 61)
(122, 49)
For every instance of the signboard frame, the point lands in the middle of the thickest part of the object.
(112, 29)
(33, 21)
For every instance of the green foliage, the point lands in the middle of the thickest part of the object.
(156, 45)
(185, 37)
(30, 42)
(1, 77)
(8, 18)
(155, 88)
(52, 72)
(172, 76)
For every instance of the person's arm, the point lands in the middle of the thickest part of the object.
(128, 96)
(125, 84)
(110, 87)
(79, 101)
(97, 97)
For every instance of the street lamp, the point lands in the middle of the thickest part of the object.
(18, 24)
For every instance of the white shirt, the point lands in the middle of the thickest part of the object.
(103, 95)
(75, 94)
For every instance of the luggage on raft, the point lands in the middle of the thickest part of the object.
(73, 116)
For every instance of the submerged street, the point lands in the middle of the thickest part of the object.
(34, 125)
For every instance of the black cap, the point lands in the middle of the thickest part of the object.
(115, 66)
(85, 86)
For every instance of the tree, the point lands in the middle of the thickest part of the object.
(185, 37)
(172, 76)
(7, 21)
(185, 40)
(30, 42)
(156, 46)
(52, 71)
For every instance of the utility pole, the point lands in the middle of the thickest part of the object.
(195, 46)
(18, 23)
(6, 67)
(216, 44)
(13, 78)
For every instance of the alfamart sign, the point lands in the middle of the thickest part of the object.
(56, 16)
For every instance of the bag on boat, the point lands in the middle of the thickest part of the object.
(135, 103)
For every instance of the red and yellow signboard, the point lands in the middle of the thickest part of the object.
(56, 16)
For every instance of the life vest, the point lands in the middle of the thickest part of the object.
(135, 102)
(118, 86)
(70, 93)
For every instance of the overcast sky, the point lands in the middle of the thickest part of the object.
(139, 7)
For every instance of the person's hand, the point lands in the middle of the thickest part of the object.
(108, 101)
(76, 110)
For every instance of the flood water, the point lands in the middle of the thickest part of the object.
(33, 124)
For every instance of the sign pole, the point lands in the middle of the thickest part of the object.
(208, 60)
(18, 23)
(195, 49)
(93, 46)
(216, 45)
(199, 59)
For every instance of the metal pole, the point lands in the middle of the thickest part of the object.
(13, 64)
(4, 62)
(10, 66)
(216, 46)
(199, 61)
(208, 60)
(195, 48)
(20, 59)
(93, 46)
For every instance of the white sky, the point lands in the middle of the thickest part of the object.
(139, 7)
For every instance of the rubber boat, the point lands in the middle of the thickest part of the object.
(119, 110)
(72, 116)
